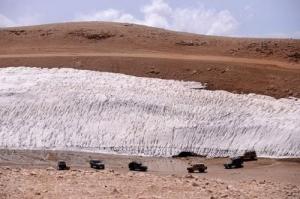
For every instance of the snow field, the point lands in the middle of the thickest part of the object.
(68, 109)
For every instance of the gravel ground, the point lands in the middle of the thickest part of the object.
(32, 174)
(78, 183)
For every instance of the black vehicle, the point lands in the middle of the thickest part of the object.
(250, 156)
(236, 162)
(97, 164)
(137, 166)
(197, 167)
(61, 165)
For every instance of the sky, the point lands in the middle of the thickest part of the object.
(242, 18)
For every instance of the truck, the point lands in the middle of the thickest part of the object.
(97, 164)
(250, 155)
(235, 162)
(62, 165)
(201, 168)
(137, 166)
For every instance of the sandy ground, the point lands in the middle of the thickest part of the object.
(240, 65)
(32, 174)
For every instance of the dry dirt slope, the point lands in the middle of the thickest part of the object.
(263, 66)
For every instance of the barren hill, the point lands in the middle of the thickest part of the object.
(242, 65)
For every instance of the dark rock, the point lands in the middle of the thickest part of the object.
(187, 154)
(190, 43)
(91, 36)
(295, 55)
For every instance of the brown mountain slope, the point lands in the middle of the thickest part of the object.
(264, 66)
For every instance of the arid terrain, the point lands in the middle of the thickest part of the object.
(32, 174)
(240, 65)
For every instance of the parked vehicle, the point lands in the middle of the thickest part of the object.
(137, 166)
(250, 156)
(236, 162)
(97, 164)
(61, 165)
(197, 167)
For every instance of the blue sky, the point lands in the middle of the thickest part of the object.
(255, 18)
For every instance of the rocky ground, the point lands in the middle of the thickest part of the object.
(79, 183)
(32, 174)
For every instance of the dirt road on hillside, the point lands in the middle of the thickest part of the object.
(237, 75)
(219, 59)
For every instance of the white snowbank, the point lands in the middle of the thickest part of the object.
(71, 109)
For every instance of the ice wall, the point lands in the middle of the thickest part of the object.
(71, 109)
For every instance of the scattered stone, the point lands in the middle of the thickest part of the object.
(209, 191)
(262, 182)
(128, 24)
(115, 191)
(193, 72)
(130, 174)
(50, 169)
(194, 184)
(33, 173)
(153, 71)
(18, 32)
(229, 187)
(295, 55)
(91, 36)
(189, 176)
(187, 43)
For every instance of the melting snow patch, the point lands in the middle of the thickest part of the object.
(70, 109)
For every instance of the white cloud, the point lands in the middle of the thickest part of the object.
(157, 14)
(160, 14)
(108, 15)
(204, 21)
(5, 21)
(21, 21)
